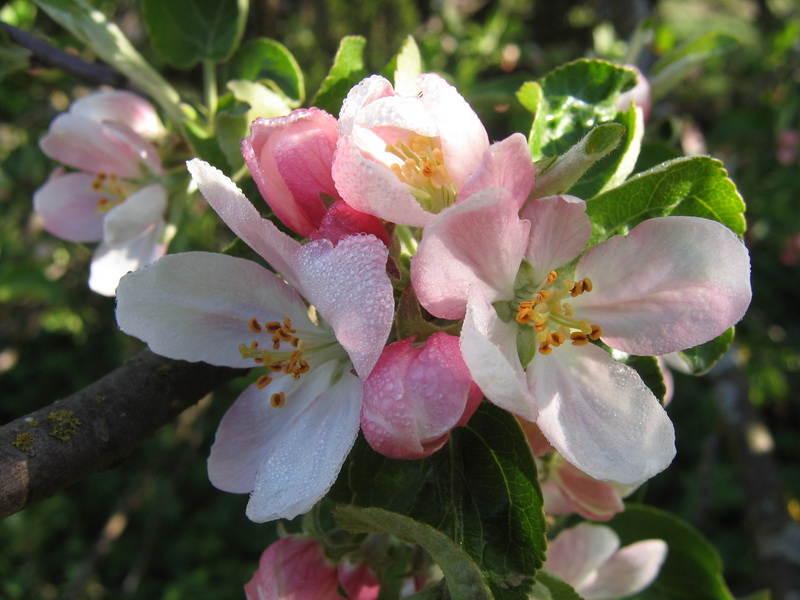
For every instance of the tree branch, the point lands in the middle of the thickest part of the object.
(94, 428)
(49, 55)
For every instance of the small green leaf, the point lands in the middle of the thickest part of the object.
(701, 358)
(463, 577)
(206, 146)
(576, 97)
(186, 32)
(13, 58)
(404, 67)
(531, 96)
(346, 71)
(692, 570)
(696, 186)
(675, 65)
(556, 176)
(269, 62)
(92, 28)
(554, 588)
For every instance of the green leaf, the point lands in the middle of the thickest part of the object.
(92, 28)
(696, 186)
(346, 71)
(206, 146)
(575, 98)
(675, 65)
(481, 490)
(269, 62)
(692, 570)
(404, 67)
(701, 358)
(463, 577)
(531, 96)
(557, 175)
(13, 58)
(554, 588)
(186, 32)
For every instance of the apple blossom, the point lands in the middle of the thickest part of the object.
(415, 395)
(290, 159)
(114, 197)
(293, 568)
(670, 284)
(287, 435)
(404, 158)
(588, 557)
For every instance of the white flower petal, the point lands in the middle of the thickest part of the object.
(67, 205)
(244, 220)
(670, 284)
(599, 414)
(559, 232)
(139, 212)
(197, 306)
(110, 263)
(309, 451)
(349, 287)
(489, 348)
(628, 572)
(578, 552)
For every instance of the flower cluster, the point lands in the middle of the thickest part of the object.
(403, 199)
(114, 196)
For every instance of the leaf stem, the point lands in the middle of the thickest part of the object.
(210, 89)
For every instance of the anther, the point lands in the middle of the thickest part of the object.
(254, 326)
(277, 400)
(596, 332)
(578, 338)
(263, 381)
(551, 277)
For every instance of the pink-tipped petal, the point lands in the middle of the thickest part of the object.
(670, 284)
(137, 214)
(111, 263)
(197, 306)
(488, 345)
(505, 164)
(307, 455)
(290, 159)
(349, 287)
(68, 206)
(592, 499)
(559, 232)
(479, 242)
(244, 220)
(462, 134)
(122, 107)
(599, 414)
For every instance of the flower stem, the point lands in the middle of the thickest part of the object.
(210, 89)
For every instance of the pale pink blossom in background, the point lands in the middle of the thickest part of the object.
(114, 197)
(405, 158)
(201, 306)
(358, 581)
(589, 558)
(671, 283)
(415, 395)
(788, 145)
(639, 94)
(293, 568)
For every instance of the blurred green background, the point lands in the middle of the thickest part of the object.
(153, 527)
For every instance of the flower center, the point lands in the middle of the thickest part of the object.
(279, 359)
(421, 168)
(552, 317)
(110, 186)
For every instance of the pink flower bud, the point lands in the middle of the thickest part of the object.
(359, 581)
(293, 569)
(415, 395)
(290, 159)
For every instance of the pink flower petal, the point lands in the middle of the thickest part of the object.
(349, 287)
(672, 283)
(244, 220)
(592, 499)
(630, 570)
(342, 220)
(489, 347)
(505, 164)
(479, 242)
(307, 455)
(197, 306)
(68, 207)
(559, 232)
(122, 107)
(577, 553)
(599, 415)
(290, 159)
